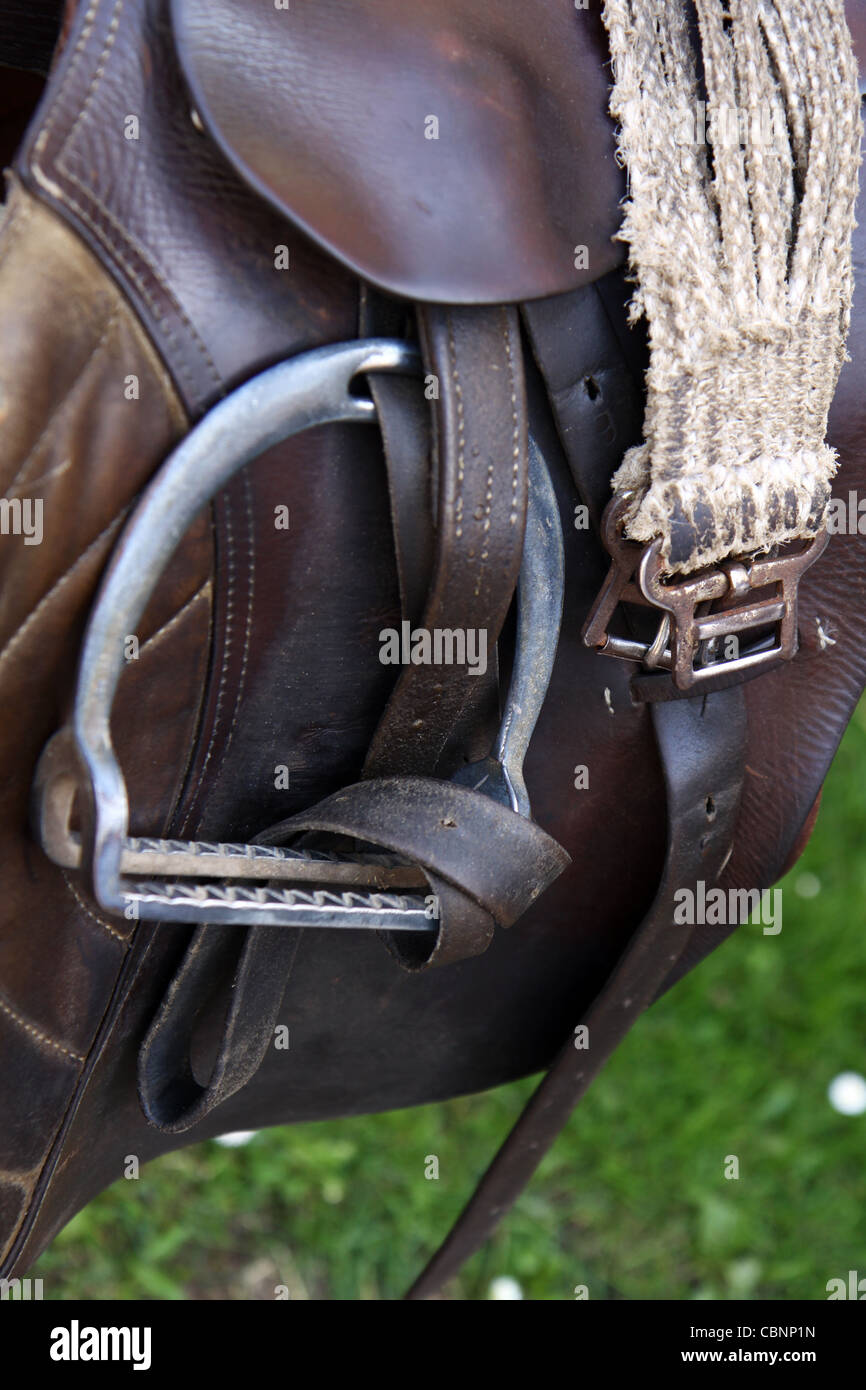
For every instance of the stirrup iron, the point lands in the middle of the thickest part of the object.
(203, 882)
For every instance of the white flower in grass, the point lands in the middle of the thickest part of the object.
(847, 1093)
(504, 1287)
(807, 886)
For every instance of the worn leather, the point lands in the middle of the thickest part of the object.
(481, 470)
(72, 441)
(173, 225)
(162, 222)
(595, 365)
(438, 826)
(433, 824)
(702, 742)
(406, 428)
(490, 211)
(249, 967)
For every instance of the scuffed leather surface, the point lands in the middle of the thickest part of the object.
(481, 471)
(193, 249)
(322, 109)
(303, 619)
(797, 715)
(432, 823)
(438, 826)
(71, 440)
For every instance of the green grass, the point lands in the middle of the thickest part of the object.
(632, 1202)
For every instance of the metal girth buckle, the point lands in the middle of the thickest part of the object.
(700, 613)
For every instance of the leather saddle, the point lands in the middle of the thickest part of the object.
(315, 343)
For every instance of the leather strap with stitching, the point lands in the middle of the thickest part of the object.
(481, 445)
(485, 865)
(404, 420)
(593, 376)
(702, 746)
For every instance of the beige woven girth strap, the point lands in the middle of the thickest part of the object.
(741, 137)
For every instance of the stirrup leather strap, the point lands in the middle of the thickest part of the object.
(702, 746)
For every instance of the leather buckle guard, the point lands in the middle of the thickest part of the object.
(700, 612)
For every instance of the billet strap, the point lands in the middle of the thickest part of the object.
(485, 866)
(473, 362)
(702, 748)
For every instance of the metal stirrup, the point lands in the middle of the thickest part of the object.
(156, 879)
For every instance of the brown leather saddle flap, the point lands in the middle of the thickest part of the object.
(447, 150)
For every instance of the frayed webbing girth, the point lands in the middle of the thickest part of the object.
(741, 137)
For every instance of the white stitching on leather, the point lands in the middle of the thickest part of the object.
(227, 650)
(58, 585)
(251, 574)
(35, 1032)
(126, 239)
(515, 471)
(118, 248)
(85, 907)
(200, 593)
(107, 46)
(74, 60)
(461, 429)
